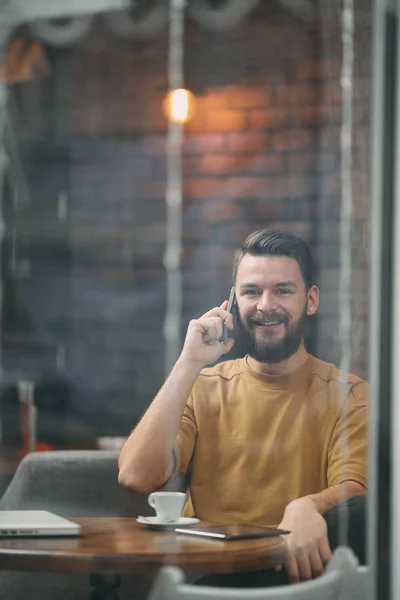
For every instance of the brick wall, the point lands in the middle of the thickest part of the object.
(262, 151)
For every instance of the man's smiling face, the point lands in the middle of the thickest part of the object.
(273, 305)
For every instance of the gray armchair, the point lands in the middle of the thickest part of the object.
(337, 583)
(70, 483)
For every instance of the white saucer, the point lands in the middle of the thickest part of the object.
(156, 523)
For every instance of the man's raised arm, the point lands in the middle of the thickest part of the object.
(146, 459)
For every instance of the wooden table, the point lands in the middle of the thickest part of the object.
(109, 548)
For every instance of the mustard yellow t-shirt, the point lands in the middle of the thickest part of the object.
(257, 442)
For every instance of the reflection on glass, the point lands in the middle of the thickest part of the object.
(275, 136)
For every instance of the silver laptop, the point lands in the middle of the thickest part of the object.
(35, 523)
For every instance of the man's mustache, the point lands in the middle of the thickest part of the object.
(258, 319)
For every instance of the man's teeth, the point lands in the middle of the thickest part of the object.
(269, 323)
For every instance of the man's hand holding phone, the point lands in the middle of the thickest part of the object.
(204, 343)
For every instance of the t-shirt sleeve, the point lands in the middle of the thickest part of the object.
(348, 450)
(185, 439)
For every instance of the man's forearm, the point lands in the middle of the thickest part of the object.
(332, 496)
(308, 540)
(145, 461)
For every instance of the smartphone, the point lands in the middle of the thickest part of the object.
(231, 301)
(231, 532)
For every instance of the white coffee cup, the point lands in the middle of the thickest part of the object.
(168, 505)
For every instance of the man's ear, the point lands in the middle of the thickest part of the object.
(312, 300)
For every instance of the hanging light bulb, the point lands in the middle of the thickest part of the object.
(179, 105)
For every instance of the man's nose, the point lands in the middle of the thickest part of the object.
(266, 302)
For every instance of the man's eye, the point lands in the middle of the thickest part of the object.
(283, 291)
(250, 292)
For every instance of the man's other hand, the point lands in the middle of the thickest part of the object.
(308, 543)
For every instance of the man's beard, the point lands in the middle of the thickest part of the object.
(266, 349)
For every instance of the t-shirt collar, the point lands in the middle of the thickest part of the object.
(298, 378)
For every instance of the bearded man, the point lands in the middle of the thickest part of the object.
(277, 438)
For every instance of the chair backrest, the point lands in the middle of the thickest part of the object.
(70, 483)
(73, 483)
(170, 585)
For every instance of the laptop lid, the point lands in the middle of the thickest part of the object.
(35, 523)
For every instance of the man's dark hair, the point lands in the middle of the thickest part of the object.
(277, 243)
